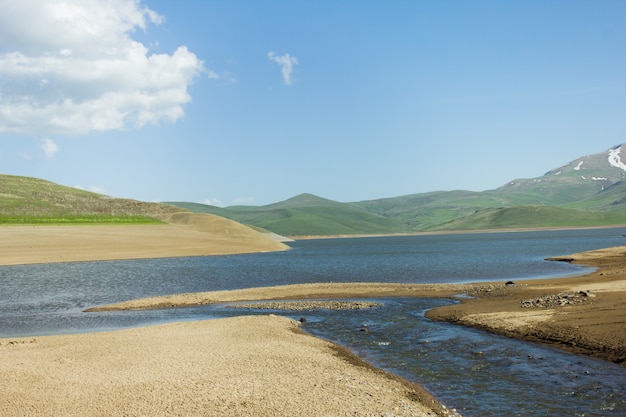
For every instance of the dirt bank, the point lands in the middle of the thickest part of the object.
(582, 314)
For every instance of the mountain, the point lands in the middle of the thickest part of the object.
(32, 200)
(305, 214)
(519, 217)
(589, 191)
(582, 179)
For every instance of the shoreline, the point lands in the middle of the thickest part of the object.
(242, 366)
(592, 324)
(583, 314)
(188, 234)
(455, 232)
(155, 369)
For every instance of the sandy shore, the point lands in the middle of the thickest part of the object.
(184, 234)
(243, 366)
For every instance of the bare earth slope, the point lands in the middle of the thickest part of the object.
(185, 234)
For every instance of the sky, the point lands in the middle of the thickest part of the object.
(231, 102)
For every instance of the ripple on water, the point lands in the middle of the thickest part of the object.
(478, 373)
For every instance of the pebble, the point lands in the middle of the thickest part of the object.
(558, 300)
(309, 305)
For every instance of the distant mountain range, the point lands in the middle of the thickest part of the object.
(589, 191)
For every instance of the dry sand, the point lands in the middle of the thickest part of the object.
(243, 366)
(185, 234)
(290, 292)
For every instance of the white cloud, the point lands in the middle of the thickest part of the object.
(98, 189)
(287, 63)
(213, 202)
(49, 148)
(244, 200)
(94, 188)
(71, 66)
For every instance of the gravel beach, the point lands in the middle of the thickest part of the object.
(243, 366)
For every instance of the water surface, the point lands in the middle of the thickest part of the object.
(478, 373)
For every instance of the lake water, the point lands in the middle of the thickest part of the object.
(509, 378)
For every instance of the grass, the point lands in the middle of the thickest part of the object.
(78, 220)
(454, 210)
(521, 204)
(305, 215)
(533, 216)
(25, 200)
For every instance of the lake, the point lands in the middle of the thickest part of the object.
(510, 378)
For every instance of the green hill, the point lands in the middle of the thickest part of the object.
(532, 217)
(25, 200)
(589, 191)
(304, 214)
(418, 212)
(612, 198)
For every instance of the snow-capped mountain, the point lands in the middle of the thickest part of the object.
(577, 180)
(589, 191)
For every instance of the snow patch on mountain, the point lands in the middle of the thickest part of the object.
(577, 167)
(615, 158)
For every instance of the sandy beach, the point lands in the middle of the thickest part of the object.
(243, 366)
(265, 365)
(183, 234)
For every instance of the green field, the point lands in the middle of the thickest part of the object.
(78, 219)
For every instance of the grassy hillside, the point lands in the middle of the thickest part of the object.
(612, 198)
(304, 214)
(25, 200)
(532, 217)
(455, 210)
(589, 191)
(307, 214)
(583, 179)
(421, 211)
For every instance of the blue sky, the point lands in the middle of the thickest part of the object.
(253, 102)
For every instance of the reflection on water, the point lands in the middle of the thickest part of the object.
(475, 372)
